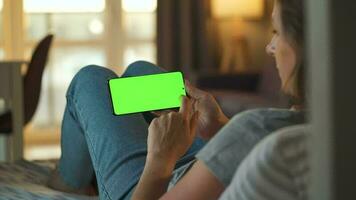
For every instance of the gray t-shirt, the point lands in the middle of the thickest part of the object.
(226, 150)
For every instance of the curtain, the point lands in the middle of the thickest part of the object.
(184, 38)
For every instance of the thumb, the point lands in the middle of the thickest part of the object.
(193, 91)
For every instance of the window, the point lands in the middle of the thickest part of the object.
(86, 40)
(112, 33)
(64, 6)
(139, 23)
(139, 6)
(78, 27)
(85, 17)
(1, 31)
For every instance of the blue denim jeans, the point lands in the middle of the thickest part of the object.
(97, 143)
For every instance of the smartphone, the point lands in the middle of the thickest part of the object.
(146, 93)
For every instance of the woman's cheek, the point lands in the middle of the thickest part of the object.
(286, 60)
(280, 62)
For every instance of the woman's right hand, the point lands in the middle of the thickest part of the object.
(170, 135)
(211, 118)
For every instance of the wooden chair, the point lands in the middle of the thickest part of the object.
(31, 86)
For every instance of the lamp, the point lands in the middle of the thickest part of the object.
(237, 8)
(235, 57)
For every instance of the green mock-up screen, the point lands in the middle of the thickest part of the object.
(146, 93)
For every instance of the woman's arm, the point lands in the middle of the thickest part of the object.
(169, 137)
(154, 179)
(198, 184)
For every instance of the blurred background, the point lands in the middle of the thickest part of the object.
(218, 44)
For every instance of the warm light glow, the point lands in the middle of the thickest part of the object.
(96, 27)
(237, 8)
(139, 5)
(1, 4)
(66, 6)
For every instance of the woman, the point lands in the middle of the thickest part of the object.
(134, 157)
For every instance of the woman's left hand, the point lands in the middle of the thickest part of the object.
(211, 117)
(171, 134)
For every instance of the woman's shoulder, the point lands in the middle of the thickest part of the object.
(257, 123)
(268, 113)
(267, 117)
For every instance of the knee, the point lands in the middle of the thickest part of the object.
(141, 68)
(91, 74)
(90, 71)
(138, 65)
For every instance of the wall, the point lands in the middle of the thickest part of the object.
(331, 54)
(258, 33)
